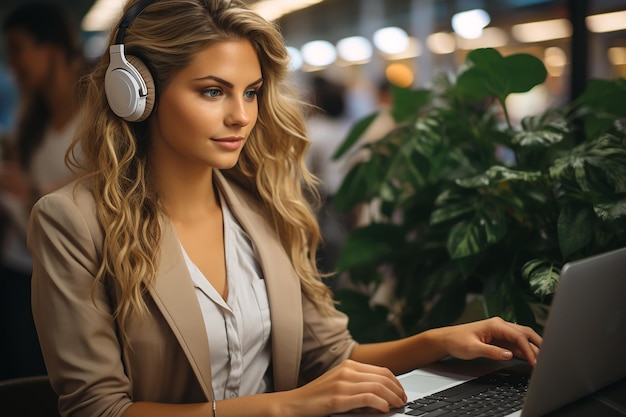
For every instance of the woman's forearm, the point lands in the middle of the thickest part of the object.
(492, 338)
(405, 354)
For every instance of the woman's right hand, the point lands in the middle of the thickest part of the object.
(350, 385)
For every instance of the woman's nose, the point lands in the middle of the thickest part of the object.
(239, 113)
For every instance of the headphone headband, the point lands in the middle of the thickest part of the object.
(129, 17)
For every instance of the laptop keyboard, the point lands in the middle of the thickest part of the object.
(496, 394)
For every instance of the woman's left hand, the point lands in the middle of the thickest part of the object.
(492, 338)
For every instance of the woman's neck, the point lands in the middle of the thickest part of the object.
(187, 196)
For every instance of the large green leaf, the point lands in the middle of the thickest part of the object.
(407, 102)
(407, 166)
(495, 228)
(491, 74)
(497, 174)
(605, 95)
(606, 153)
(610, 210)
(448, 307)
(542, 275)
(355, 186)
(367, 323)
(541, 130)
(465, 239)
(428, 136)
(369, 245)
(504, 298)
(575, 227)
(449, 212)
(601, 104)
(538, 138)
(471, 237)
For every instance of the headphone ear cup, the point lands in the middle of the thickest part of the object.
(129, 86)
(147, 78)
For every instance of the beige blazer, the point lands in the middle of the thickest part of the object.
(168, 357)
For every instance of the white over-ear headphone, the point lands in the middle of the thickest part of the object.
(128, 84)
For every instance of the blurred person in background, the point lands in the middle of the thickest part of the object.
(45, 58)
(327, 127)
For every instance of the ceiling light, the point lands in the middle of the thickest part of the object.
(607, 22)
(355, 49)
(391, 40)
(470, 24)
(542, 31)
(318, 53)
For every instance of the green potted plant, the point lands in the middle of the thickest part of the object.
(456, 220)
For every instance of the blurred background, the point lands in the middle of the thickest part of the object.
(361, 43)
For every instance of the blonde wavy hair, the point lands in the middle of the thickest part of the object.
(165, 36)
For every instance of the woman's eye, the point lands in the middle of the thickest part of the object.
(212, 92)
(251, 94)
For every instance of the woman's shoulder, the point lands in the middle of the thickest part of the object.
(76, 193)
(68, 204)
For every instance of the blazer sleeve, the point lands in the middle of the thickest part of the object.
(326, 341)
(74, 321)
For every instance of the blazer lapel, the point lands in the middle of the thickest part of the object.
(174, 294)
(281, 281)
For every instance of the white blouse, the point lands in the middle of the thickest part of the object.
(238, 329)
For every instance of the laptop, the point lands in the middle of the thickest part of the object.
(583, 351)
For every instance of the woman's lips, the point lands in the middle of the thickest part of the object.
(230, 143)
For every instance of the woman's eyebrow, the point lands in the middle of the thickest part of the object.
(259, 81)
(227, 83)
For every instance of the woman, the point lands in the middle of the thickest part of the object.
(189, 233)
(44, 56)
